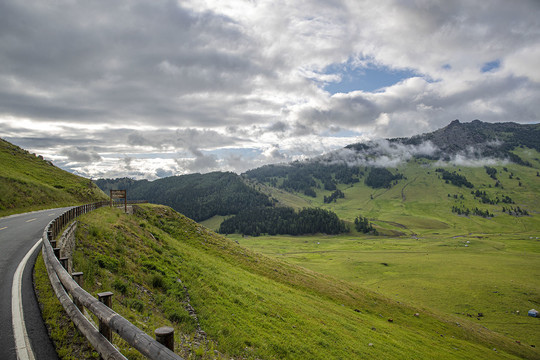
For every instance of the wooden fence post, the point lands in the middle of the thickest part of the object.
(64, 262)
(105, 298)
(78, 277)
(165, 336)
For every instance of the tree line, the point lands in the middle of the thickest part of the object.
(379, 177)
(362, 224)
(283, 221)
(304, 177)
(454, 178)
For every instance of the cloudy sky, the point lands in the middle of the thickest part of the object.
(152, 88)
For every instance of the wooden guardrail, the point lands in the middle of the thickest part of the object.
(64, 284)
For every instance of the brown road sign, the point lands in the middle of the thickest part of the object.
(118, 194)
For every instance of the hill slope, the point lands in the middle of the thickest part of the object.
(198, 196)
(465, 177)
(164, 269)
(28, 182)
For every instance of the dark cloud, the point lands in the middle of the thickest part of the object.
(90, 64)
(50, 142)
(201, 163)
(189, 139)
(278, 127)
(127, 162)
(80, 155)
(161, 173)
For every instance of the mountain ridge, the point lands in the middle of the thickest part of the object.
(477, 138)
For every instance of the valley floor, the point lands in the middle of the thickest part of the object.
(492, 280)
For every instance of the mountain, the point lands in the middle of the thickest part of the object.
(28, 182)
(484, 139)
(459, 136)
(198, 196)
(465, 176)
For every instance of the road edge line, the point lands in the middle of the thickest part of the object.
(22, 342)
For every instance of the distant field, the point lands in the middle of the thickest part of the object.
(214, 222)
(496, 275)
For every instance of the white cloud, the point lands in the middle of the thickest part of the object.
(196, 78)
(379, 152)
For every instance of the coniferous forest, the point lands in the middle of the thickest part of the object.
(198, 196)
(282, 221)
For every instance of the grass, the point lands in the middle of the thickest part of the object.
(251, 306)
(69, 343)
(493, 275)
(30, 183)
(214, 222)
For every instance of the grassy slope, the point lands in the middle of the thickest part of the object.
(420, 204)
(70, 344)
(253, 306)
(28, 183)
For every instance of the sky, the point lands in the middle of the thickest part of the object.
(154, 88)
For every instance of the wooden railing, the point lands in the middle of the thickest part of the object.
(64, 285)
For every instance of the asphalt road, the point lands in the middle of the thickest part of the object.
(18, 234)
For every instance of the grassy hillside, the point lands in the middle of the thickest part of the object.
(250, 306)
(28, 182)
(422, 202)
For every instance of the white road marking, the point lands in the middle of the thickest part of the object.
(52, 214)
(5, 227)
(22, 342)
(31, 220)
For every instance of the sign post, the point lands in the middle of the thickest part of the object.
(119, 194)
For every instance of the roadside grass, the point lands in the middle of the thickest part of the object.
(69, 343)
(251, 306)
(30, 183)
(496, 275)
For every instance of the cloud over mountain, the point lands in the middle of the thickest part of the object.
(381, 153)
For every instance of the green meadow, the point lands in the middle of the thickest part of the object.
(433, 283)
(496, 275)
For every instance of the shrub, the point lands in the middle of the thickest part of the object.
(134, 304)
(120, 286)
(107, 262)
(158, 282)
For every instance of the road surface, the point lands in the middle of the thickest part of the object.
(18, 234)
